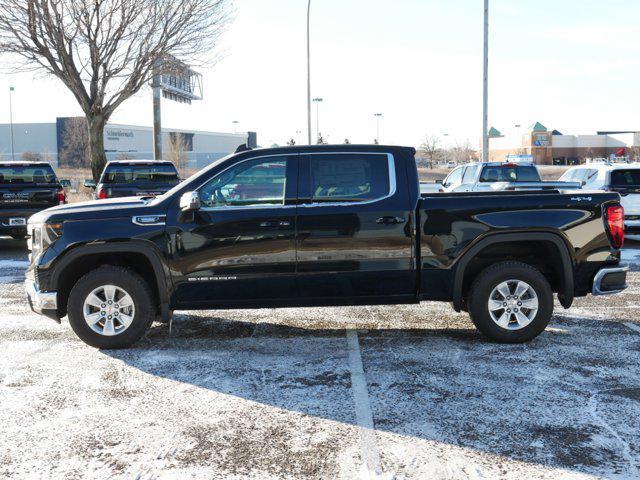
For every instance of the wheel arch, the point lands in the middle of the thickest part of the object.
(140, 257)
(566, 284)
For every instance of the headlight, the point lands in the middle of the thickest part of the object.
(41, 236)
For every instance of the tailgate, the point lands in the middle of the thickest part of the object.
(136, 190)
(28, 197)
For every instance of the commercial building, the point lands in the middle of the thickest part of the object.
(554, 148)
(48, 140)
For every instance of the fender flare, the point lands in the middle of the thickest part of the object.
(566, 293)
(151, 253)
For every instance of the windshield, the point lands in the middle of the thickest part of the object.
(19, 174)
(510, 173)
(625, 178)
(140, 173)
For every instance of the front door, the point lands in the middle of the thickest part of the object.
(354, 238)
(239, 247)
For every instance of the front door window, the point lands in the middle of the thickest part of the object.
(251, 183)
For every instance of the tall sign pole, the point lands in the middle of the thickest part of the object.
(157, 118)
(308, 75)
(485, 87)
(11, 123)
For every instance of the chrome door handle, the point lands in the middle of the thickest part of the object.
(390, 220)
(275, 223)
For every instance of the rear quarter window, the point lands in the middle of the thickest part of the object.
(18, 174)
(140, 173)
(504, 173)
(625, 178)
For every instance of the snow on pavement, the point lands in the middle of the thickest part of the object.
(269, 394)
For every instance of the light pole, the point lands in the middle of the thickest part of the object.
(11, 89)
(378, 117)
(308, 74)
(485, 86)
(317, 101)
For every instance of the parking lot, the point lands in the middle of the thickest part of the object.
(370, 392)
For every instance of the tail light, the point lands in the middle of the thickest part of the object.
(614, 215)
(62, 196)
(102, 193)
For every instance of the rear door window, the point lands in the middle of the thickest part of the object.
(348, 177)
(140, 173)
(625, 178)
(19, 174)
(509, 173)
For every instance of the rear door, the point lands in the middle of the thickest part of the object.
(354, 238)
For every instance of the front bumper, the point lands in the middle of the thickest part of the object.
(610, 280)
(43, 303)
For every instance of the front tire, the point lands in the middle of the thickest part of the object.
(110, 307)
(511, 302)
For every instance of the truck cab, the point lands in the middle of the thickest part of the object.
(135, 178)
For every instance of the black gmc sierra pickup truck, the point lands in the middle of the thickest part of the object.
(321, 225)
(26, 188)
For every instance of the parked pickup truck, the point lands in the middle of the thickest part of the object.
(134, 178)
(26, 188)
(488, 176)
(321, 225)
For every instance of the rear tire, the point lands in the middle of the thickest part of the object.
(95, 314)
(510, 302)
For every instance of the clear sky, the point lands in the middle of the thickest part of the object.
(573, 65)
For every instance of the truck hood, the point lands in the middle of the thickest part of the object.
(97, 209)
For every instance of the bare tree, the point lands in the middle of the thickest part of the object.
(633, 153)
(321, 140)
(176, 151)
(74, 151)
(430, 147)
(31, 157)
(461, 152)
(291, 142)
(105, 51)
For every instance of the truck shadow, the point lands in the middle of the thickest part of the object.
(8, 244)
(561, 401)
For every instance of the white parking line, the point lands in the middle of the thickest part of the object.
(364, 416)
(633, 326)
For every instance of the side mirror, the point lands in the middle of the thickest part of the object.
(190, 201)
(438, 181)
(89, 183)
(584, 183)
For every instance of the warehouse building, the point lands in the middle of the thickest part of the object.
(58, 142)
(554, 148)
